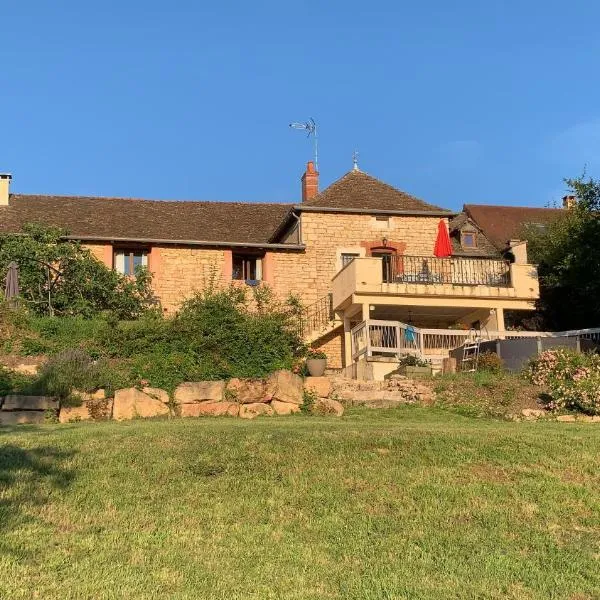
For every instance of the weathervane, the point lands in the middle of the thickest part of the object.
(355, 161)
(311, 128)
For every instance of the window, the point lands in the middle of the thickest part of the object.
(127, 260)
(347, 257)
(246, 267)
(468, 239)
(383, 219)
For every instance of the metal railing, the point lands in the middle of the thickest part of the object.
(399, 268)
(396, 338)
(316, 316)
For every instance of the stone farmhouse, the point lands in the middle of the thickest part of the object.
(359, 254)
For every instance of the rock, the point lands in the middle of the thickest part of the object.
(321, 386)
(250, 411)
(85, 396)
(157, 393)
(22, 417)
(533, 413)
(210, 409)
(247, 391)
(200, 391)
(16, 402)
(26, 369)
(131, 403)
(98, 409)
(566, 418)
(285, 386)
(284, 408)
(327, 406)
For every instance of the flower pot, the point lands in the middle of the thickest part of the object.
(415, 372)
(316, 366)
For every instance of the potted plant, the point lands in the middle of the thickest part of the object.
(316, 362)
(413, 366)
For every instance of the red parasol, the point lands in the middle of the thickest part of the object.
(442, 247)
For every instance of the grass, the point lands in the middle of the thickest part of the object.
(406, 503)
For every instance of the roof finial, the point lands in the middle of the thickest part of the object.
(355, 161)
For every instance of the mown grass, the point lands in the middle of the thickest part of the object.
(406, 503)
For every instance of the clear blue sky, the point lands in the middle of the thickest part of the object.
(455, 102)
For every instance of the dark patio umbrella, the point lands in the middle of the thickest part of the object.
(11, 289)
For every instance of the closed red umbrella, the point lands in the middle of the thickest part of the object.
(443, 247)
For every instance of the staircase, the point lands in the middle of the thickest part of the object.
(318, 320)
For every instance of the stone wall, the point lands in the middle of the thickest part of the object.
(333, 345)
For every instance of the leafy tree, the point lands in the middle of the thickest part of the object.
(567, 252)
(60, 277)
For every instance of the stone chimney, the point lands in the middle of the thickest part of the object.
(569, 202)
(310, 182)
(4, 188)
(519, 249)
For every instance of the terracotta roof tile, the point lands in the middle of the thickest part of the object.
(502, 223)
(357, 190)
(110, 218)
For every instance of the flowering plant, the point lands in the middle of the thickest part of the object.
(315, 354)
(572, 377)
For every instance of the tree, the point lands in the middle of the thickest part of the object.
(567, 252)
(61, 277)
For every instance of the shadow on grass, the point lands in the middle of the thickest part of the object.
(29, 477)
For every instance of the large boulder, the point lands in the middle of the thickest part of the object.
(321, 386)
(200, 391)
(16, 402)
(98, 409)
(284, 408)
(247, 391)
(327, 406)
(250, 411)
(157, 393)
(130, 403)
(285, 386)
(22, 417)
(210, 409)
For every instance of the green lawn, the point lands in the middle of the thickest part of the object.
(406, 503)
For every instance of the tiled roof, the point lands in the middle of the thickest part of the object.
(357, 190)
(484, 246)
(121, 218)
(502, 223)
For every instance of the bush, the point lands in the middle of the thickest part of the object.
(572, 377)
(490, 362)
(411, 360)
(74, 370)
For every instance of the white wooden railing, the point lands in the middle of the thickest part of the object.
(395, 338)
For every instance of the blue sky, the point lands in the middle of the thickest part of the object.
(455, 102)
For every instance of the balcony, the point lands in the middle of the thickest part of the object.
(475, 280)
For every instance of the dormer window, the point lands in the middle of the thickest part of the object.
(468, 239)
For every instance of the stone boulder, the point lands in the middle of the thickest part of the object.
(284, 408)
(210, 409)
(98, 409)
(15, 402)
(327, 406)
(22, 417)
(531, 414)
(247, 391)
(285, 386)
(250, 411)
(321, 386)
(157, 393)
(130, 403)
(200, 391)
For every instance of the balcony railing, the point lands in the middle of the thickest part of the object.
(455, 271)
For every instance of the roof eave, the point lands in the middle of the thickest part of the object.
(212, 243)
(375, 211)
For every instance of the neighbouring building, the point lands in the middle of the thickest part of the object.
(360, 255)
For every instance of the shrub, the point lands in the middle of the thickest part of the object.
(490, 362)
(572, 377)
(74, 370)
(411, 360)
(315, 354)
